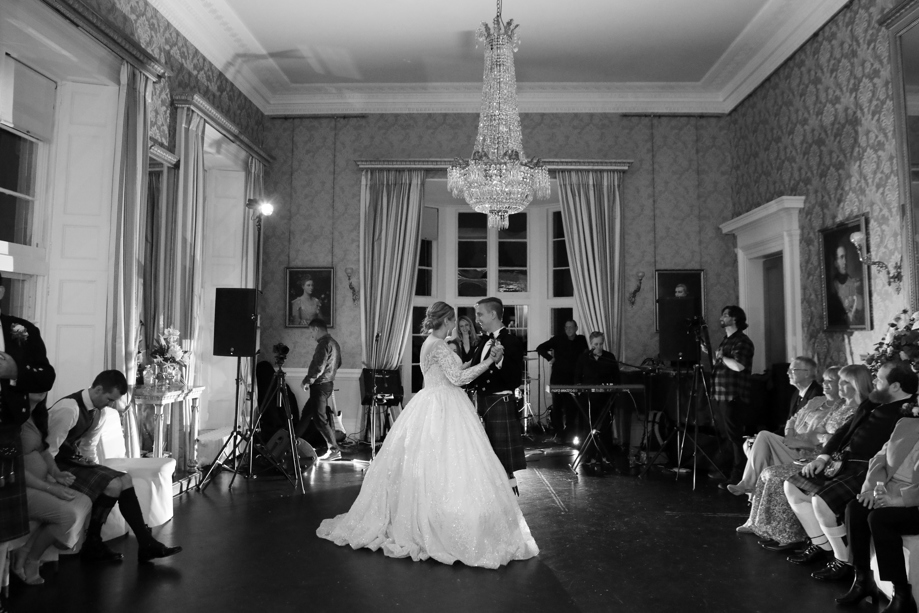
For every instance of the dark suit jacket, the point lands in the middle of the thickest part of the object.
(867, 430)
(508, 377)
(798, 402)
(23, 343)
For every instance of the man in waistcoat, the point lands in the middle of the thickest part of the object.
(74, 427)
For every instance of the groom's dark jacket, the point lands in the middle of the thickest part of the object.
(508, 377)
(24, 344)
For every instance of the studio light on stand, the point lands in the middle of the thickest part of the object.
(894, 275)
(239, 443)
(258, 209)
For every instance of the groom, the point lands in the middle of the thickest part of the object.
(494, 388)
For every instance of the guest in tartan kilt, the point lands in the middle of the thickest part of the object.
(494, 389)
(820, 492)
(24, 369)
(74, 427)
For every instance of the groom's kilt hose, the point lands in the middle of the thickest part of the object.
(502, 426)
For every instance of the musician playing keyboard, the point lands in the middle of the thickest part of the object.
(596, 365)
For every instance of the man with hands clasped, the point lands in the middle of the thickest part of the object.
(886, 509)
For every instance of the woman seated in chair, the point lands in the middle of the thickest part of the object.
(61, 511)
(801, 435)
(770, 516)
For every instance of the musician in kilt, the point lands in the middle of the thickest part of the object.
(74, 428)
(494, 389)
(820, 492)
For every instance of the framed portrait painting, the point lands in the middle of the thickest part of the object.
(310, 294)
(680, 287)
(846, 301)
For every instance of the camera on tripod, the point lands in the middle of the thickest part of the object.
(280, 354)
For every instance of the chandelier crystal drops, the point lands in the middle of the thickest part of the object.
(498, 180)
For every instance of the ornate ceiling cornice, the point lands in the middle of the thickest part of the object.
(218, 120)
(443, 164)
(768, 40)
(109, 36)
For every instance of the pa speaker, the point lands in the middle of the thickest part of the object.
(235, 322)
(678, 342)
(388, 387)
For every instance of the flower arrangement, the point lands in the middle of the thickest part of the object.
(900, 342)
(167, 348)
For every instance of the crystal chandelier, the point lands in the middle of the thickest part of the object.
(499, 180)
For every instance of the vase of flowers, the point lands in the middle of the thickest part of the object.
(900, 342)
(169, 356)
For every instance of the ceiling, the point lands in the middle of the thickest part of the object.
(305, 57)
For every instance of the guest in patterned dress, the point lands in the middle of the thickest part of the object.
(769, 449)
(770, 516)
(820, 493)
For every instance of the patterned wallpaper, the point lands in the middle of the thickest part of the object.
(674, 196)
(190, 70)
(822, 127)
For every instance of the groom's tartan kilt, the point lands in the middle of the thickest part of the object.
(502, 426)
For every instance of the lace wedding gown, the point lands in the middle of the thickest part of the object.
(436, 488)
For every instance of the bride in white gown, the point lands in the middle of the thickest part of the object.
(436, 488)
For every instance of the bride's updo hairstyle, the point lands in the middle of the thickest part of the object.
(435, 316)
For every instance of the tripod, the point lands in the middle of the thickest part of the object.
(235, 440)
(699, 385)
(275, 449)
(527, 409)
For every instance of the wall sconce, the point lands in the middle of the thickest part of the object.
(894, 277)
(634, 293)
(350, 271)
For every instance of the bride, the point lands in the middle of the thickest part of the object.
(436, 489)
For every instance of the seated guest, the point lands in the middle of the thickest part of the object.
(800, 438)
(886, 518)
(817, 498)
(74, 427)
(597, 366)
(770, 516)
(802, 374)
(61, 511)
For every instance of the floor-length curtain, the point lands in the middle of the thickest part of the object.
(391, 202)
(592, 219)
(129, 217)
(255, 189)
(184, 239)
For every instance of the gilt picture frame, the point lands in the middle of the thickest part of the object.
(845, 286)
(310, 294)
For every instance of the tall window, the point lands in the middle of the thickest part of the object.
(18, 163)
(472, 255)
(417, 339)
(424, 281)
(17, 188)
(512, 255)
(562, 287)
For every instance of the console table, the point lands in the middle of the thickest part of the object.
(182, 417)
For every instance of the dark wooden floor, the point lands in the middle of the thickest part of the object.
(610, 543)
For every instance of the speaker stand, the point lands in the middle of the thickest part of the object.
(237, 438)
